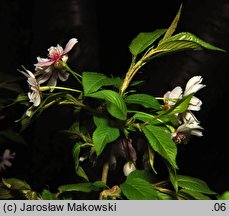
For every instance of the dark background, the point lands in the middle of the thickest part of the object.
(104, 30)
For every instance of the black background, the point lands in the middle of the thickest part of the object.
(104, 30)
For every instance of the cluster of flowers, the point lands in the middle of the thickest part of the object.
(189, 123)
(48, 69)
(51, 68)
(54, 67)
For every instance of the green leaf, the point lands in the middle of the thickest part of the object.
(144, 117)
(103, 135)
(193, 184)
(115, 104)
(143, 174)
(76, 153)
(11, 87)
(145, 100)
(161, 143)
(113, 81)
(5, 194)
(173, 25)
(194, 194)
(173, 177)
(47, 195)
(179, 107)
(15, 184)
(12, 136)
(155, 120)
(30, 195)
(151, 155)
(98, 185)
(98, 120)
(83, 187)
(80, 172)
(144, 40)
(224, 196)
(138, 189)
(92, 81)
(184, 41)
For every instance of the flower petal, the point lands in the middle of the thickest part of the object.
(193, 85)
(128, 168)
(176, 93)
(69, 45)
(63, 76)
(44, 77)
(195, 104)
(53, 80)
(42, 62)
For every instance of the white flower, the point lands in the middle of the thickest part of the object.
(128, 168)
(34, 94)
(192, 86)
(194, 104)
(45, 66)
(5, 159)
(169, 96)
(189, 127)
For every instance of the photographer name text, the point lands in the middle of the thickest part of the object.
(50, 207)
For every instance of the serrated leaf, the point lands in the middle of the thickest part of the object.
(143, 40)
(115, 104)
(92, 81)
(145, 100)
(194, 184)
(183, 41)
(179, 107)
(173, 25)
(155, 120)
(103, 135)
(161, 143)
(98, 120)
(138, 189)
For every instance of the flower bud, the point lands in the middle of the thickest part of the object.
(128, 168)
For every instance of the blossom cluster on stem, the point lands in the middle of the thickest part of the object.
(189, 125)
(47, 70)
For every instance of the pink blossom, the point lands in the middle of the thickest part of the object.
(51, 68)
(56, 53)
